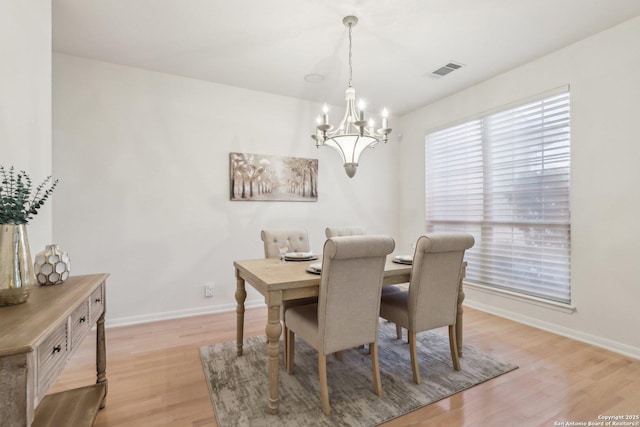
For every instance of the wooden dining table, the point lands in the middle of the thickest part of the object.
(279, 282)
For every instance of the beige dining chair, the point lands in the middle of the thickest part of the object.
(359, 231)
(344, 231)
(346, 314)
(347, 231)
(296, 240)
(432, 298)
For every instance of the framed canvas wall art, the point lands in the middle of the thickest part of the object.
(272, 178)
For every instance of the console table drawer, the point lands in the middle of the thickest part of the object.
(96, 303)
(79, 323)
(52, 355)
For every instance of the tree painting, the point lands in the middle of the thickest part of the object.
(272, 178)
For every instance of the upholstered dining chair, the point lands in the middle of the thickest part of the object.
(346, 314)
(296, 240)
(432, 298)
(359, 231)
(344, 231)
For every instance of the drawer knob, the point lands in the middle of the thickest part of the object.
(57, 349)
(83, 319)
(98, 299)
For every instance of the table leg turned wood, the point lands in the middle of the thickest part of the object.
(273, 331)
(101, 358)
(241, 296)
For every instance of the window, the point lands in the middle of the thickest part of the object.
(505, 179)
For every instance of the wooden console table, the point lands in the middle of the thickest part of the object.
(36, 340)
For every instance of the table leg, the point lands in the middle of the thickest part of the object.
(459, 317)
(101, 358)
(241, 296)
(273, 331)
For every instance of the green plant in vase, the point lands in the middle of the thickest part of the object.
(19, 202)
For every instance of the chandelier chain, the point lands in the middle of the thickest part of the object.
(350, 65)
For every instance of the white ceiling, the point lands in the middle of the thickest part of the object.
(270, 45)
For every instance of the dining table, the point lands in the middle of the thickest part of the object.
(281, 281)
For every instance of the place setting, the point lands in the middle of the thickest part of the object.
(300, 256)
(405, 259)
(315, 268)
(285, 255)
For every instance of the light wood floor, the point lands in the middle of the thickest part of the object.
(156, 379)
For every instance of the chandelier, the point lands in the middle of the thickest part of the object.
(354, 134)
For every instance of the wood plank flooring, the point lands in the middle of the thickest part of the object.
(156, 379)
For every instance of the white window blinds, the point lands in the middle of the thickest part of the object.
(505, 178)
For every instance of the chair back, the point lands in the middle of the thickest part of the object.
(435, 279)
(350, 287)
(344, 231)
(296, 241)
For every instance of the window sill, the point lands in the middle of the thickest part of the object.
(557, 306)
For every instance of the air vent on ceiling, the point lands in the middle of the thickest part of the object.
(446, 69)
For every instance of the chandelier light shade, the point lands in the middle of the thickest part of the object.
(354, 134)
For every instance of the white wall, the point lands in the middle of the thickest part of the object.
(25, 100)
(144, 195)
(605, 192)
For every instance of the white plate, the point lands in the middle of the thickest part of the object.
(298, 255)
(403, 259)
(315, 268)
(300, 259)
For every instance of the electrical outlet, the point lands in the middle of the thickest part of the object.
(208, 290)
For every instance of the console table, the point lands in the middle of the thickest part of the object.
(36, 340)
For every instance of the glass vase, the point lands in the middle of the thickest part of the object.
(16, 267)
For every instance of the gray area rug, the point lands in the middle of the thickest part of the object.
(238, 386)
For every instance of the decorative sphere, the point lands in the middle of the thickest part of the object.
(52, 266)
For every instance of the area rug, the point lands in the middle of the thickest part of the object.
(239, 386)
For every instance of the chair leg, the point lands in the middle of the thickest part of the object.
(375, 365)
(414, 356)
(324, 388)
(291, 345)
(362, 347)
(398, 331)
(286, 345)
(453, 344)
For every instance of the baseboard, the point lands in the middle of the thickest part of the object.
(168, 315)
(607, 344)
